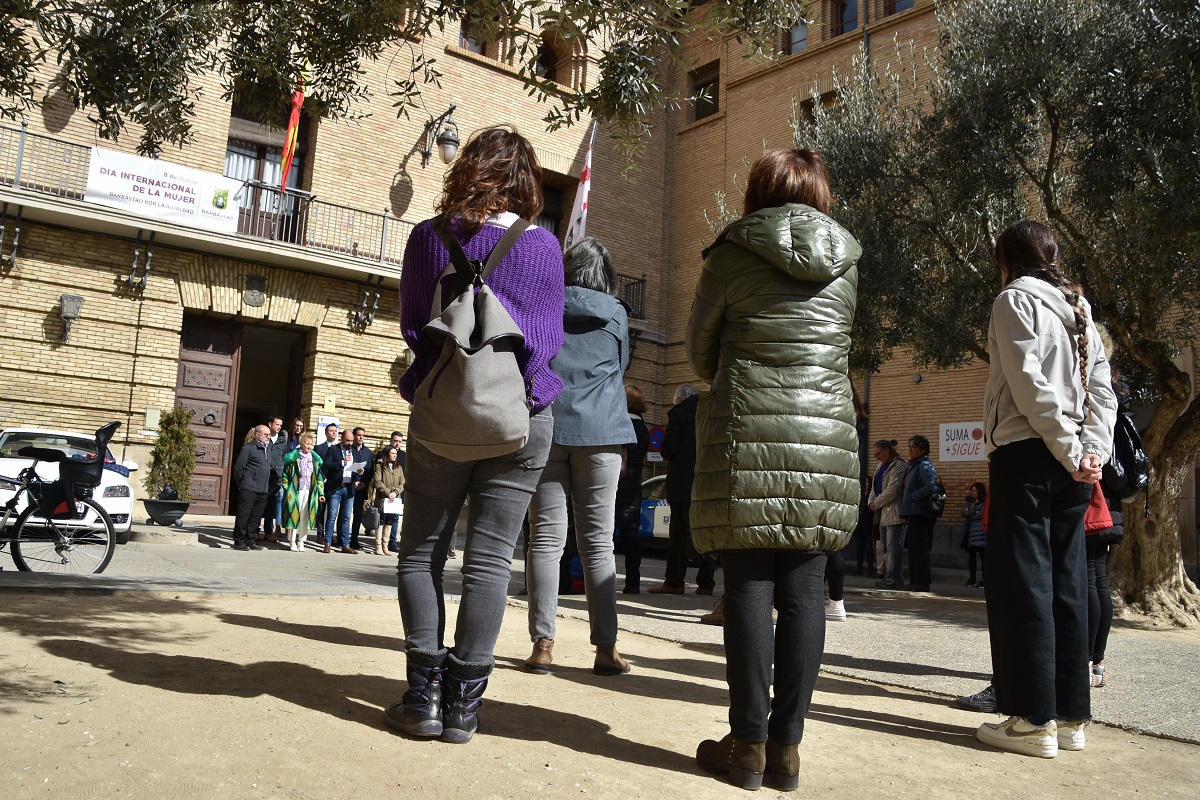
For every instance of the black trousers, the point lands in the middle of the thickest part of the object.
(792, 582)
(1036, 595)
(360, 500)
(1100, 605)
(680, 549)
(918, 540)
(835, 573)
(249, 512)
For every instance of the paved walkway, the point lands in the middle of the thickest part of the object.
(935, 643)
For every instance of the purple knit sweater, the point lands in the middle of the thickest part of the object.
(528, 282)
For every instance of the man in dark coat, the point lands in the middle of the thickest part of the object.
(362, 483)
(679, 449)
(252, 471)
(277, 448)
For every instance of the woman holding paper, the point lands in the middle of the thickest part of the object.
(388, 484)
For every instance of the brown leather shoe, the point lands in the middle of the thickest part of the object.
(543, 655)
(609, 661)
(349, 551)
(717, 615)
(743, 762)
(240, 547)
(783, 766)
(704, 590)
(326, 549)
(665, 588)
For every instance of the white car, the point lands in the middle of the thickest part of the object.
(114, 494)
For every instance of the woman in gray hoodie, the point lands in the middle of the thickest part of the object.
(1049, 413)
(591, 428)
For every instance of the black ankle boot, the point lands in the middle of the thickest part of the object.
(419, 712)
(463, 685)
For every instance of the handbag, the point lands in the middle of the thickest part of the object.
(935, 505)
(370, 517)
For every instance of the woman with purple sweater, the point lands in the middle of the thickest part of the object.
(495, 181)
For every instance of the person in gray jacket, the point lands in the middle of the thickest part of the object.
(252, 471)
(884, 499)
(591, 426)
(1049, 411)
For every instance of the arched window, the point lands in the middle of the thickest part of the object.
(547, 62)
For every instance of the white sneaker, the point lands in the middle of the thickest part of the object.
(1019, 735)
(294, 547)
(835, 610)
(1071, 735)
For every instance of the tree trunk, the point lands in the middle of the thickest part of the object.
(1146, 570)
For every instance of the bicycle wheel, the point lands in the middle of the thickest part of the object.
(81, 546)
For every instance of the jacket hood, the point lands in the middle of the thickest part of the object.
(797, 239)
(583, 305)
(1049, 296)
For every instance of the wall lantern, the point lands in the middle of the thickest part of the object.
(442, 131)
(69, 306)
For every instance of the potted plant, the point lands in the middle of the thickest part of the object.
(172, 461)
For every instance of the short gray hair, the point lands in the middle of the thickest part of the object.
(684, 392)
(587, 263)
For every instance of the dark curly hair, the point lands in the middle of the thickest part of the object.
(496, 171)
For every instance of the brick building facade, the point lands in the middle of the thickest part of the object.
(302, 351)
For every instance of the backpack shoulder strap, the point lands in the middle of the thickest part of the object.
(458, 256)
(503, 246)
(457, 275)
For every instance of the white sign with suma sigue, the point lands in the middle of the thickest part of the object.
(163, 191)
(961, 441)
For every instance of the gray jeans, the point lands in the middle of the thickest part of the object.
(499, 490)
(588, 477)
(892, 537)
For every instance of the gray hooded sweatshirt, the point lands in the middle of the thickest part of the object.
(1034, 388)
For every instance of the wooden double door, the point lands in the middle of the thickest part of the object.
(207, 384)
(232, 377)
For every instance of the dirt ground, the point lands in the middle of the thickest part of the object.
(162, 696)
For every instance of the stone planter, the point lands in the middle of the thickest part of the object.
(166, 512)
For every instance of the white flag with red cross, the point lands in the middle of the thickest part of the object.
(577, 229)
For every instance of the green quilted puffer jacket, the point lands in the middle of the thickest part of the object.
(777, 450)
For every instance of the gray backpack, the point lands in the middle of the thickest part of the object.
(474, 403)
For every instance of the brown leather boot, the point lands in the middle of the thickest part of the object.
(543, 655)
(783, 766)
(744, 762)
(609, 661)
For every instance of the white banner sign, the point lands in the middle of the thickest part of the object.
(162, 191)
(961, 441)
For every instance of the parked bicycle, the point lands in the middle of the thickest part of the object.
(61, 529)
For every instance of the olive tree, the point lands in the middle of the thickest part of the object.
(1086, 115)
(145, 62)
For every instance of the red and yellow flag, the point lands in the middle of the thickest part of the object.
(293, 130)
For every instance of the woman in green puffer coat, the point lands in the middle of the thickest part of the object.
(777, 470)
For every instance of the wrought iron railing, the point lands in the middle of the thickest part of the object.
(46, 165)
(633, 291)
(300, 218)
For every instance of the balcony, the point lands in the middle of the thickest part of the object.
(633, 292)
(44, 165)
(33, 163)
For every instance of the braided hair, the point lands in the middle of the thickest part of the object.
(1028, 248)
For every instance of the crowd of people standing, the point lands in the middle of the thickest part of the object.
(288, 485)
(766, 476)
